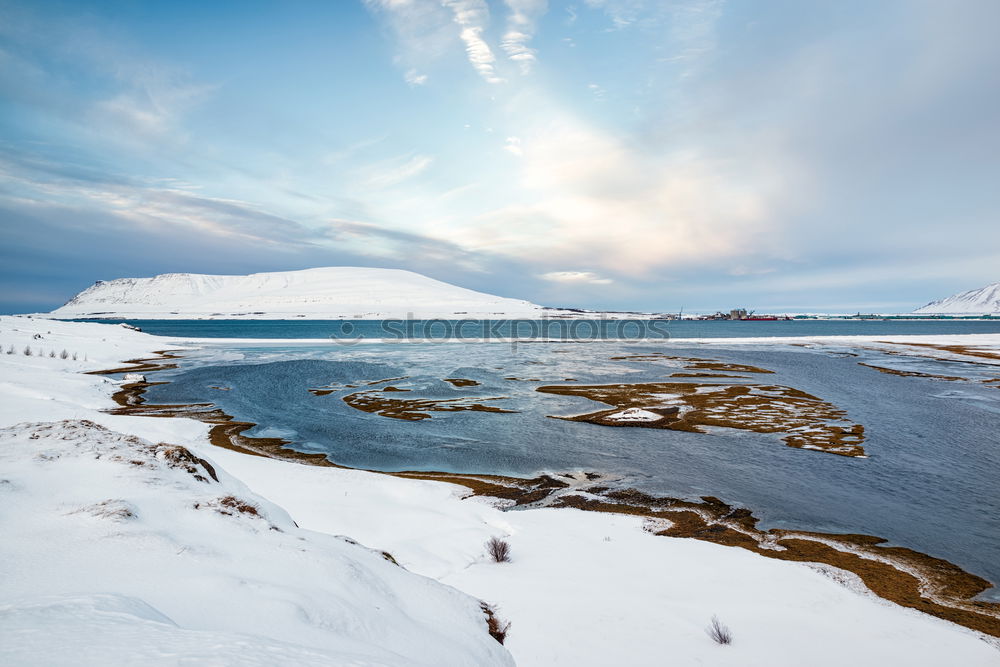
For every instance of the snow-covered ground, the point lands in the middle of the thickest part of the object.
(322, 293)
(981, 301)
(120, 550)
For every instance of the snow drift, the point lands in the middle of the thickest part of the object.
(331, 292)
(131, 552)
(982, 301)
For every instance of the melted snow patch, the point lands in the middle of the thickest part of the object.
(634, 415)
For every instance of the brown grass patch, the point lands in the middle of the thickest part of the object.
(415, 409)
(497, 628)
(895, 371)
(694, 363)
(181, 457)
(238, 505)
(462, 382)
(806, 421)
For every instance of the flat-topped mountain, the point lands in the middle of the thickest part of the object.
(982, 301)
(330, 292)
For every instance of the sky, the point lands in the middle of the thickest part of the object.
(644, 155)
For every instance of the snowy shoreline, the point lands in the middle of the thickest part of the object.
(584, 587)
(989, 339)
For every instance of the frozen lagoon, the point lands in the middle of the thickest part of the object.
(928, 482)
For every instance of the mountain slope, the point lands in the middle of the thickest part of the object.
(982, 301)
(321, 293)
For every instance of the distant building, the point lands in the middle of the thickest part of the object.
(738, 314)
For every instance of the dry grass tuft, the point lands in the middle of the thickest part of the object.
(176, 456)
(497, 628)
(498, 550)
(241, 506)
(719, 632)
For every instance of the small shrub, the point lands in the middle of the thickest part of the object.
(10, 350)
(496, 627)
(27, 350)
(498, 550)
(74, 356)
(64, 354)
(52, 354)
(719, 632)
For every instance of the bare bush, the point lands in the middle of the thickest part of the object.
(719, 632)
(497, 628)
(64, 354)
(27, 350)
(74, 356)
(52, 354)
(10, 350)
(498, 550)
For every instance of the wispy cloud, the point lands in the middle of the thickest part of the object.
(472, 17)
(381, 241)
(423, 29)
(521, 23)
(415, 78)
(396, 170)
(426, 32)
(513, 146)
(152, 104)
(140, 99)
(621, 12)
(575, 278)
(154, 203)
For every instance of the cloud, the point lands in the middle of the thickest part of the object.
(426, 32)
(621, 12)
(521, 24)
(589, 196)
(513, 146)
(598, 92)
(152, 105)
(378, 240)
(83, 72)
(575, 277)
(34, 183)
(472, 17)
(396, 170)
(415, 78)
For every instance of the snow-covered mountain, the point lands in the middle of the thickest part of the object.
(331, 292)
(982, 301)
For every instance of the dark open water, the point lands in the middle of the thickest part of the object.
(553, 328)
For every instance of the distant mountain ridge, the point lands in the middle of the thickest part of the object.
(982, 301)
(321, 293)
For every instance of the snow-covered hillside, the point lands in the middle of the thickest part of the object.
(331, 292)
(982, 301)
